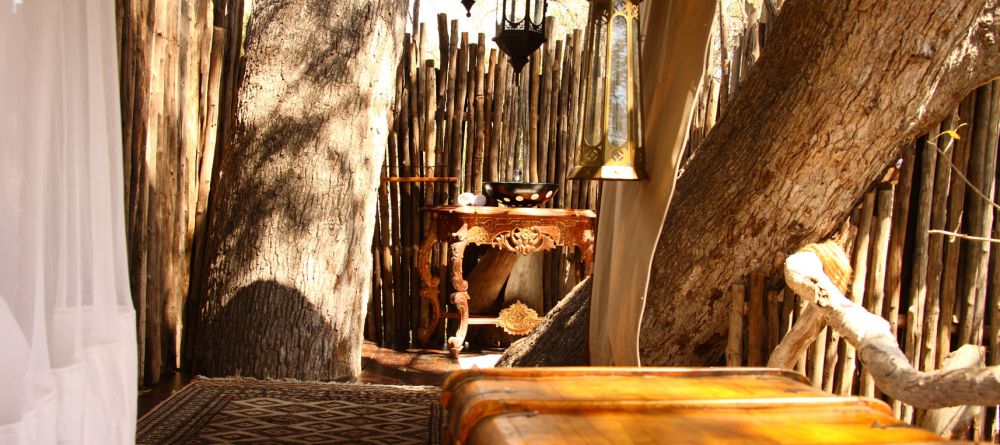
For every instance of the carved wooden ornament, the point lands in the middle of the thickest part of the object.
(518, 319)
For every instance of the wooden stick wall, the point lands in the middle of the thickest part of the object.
(178, 65)
(453, 129)
(937, 291)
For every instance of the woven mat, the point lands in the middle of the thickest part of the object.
(250, 411)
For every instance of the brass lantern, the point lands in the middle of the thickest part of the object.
(611, 143)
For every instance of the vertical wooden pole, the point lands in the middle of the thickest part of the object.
(990, 121)
(787, 315)
(476, 183)
(500, 119)
(563, 164)
(532, 130)
(429, 124)
(756, 321)
(800, 307)
(373, 319)
(862, 246)
(206, 167)
(935, 247)
(555, 88)
(449, 103)
(574, 114)
(980, 219)
(491, 158)
(417, 152)
(773, 324)
(153, 357)
(429, 110)
(734, 348)
(882, 225)
(470, 121)
(456, 160)
(900, 223)
(992, 339)
(405, 202)
(918, 273)
(516, 92)
(139, 194)
(894, 270)
(956, 203)
(819, 358)
(918, 283)
(993, 336)
(469, 130)
(387, 261)
(544, 103)
(231, 73)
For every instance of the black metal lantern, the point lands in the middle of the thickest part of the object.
(520, 29)
(468, 7)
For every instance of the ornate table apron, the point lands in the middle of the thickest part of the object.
(519, 230)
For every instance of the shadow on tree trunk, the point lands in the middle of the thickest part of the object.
(281, 334)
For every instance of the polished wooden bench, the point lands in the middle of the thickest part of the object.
(661, 405)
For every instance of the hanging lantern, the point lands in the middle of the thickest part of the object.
(611, 143)
(520, 29)
(468, 7)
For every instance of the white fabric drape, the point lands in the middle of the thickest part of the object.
(67, 327)
(632, 213)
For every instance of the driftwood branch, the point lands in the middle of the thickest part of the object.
(802, 334)
(878, 348)
(945, 421)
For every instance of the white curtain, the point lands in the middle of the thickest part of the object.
(67, 327)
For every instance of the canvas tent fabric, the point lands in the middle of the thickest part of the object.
(675, 48)
(67, 327)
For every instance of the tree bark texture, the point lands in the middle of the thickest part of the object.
(288, 252)
(840, 88)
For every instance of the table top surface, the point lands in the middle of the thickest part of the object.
(511, 212)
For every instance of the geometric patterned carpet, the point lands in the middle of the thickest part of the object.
(210, 411)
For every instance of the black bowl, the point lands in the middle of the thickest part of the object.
(519, 194)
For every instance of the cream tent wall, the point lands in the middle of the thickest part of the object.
(632, 213)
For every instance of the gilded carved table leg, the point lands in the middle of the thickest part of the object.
(461, 301)
(461, 296)
(430, 284)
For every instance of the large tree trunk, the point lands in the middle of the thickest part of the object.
(841, 87)
(289, 247)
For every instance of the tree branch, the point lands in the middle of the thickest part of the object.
(958, 171)
(962, 236)
(879, 350)
(798, 339)
(945, 421)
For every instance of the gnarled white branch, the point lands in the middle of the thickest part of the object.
(945, 421)
(878, 349)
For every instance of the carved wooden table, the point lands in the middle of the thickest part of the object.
(519, 230)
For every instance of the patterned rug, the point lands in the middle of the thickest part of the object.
(250, 411)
